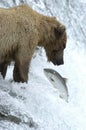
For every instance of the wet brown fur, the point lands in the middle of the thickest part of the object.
(21, 30)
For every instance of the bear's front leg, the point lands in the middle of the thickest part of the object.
(3, 68)
(20, 73)
(23, 58)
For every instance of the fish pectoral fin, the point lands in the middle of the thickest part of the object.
(65, 79)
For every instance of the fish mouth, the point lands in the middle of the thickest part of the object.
(49, 71)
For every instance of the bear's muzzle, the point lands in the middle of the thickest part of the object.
(58, 62)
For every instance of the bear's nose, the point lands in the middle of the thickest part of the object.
(58, 62)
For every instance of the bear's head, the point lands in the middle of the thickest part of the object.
(56, 43)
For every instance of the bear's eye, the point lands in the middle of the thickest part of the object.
(64, 45)
(54, 52)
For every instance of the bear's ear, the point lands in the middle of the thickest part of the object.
(59, 30)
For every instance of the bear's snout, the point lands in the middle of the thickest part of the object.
(58, 62)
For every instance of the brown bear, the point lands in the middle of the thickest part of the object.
(21, 30)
